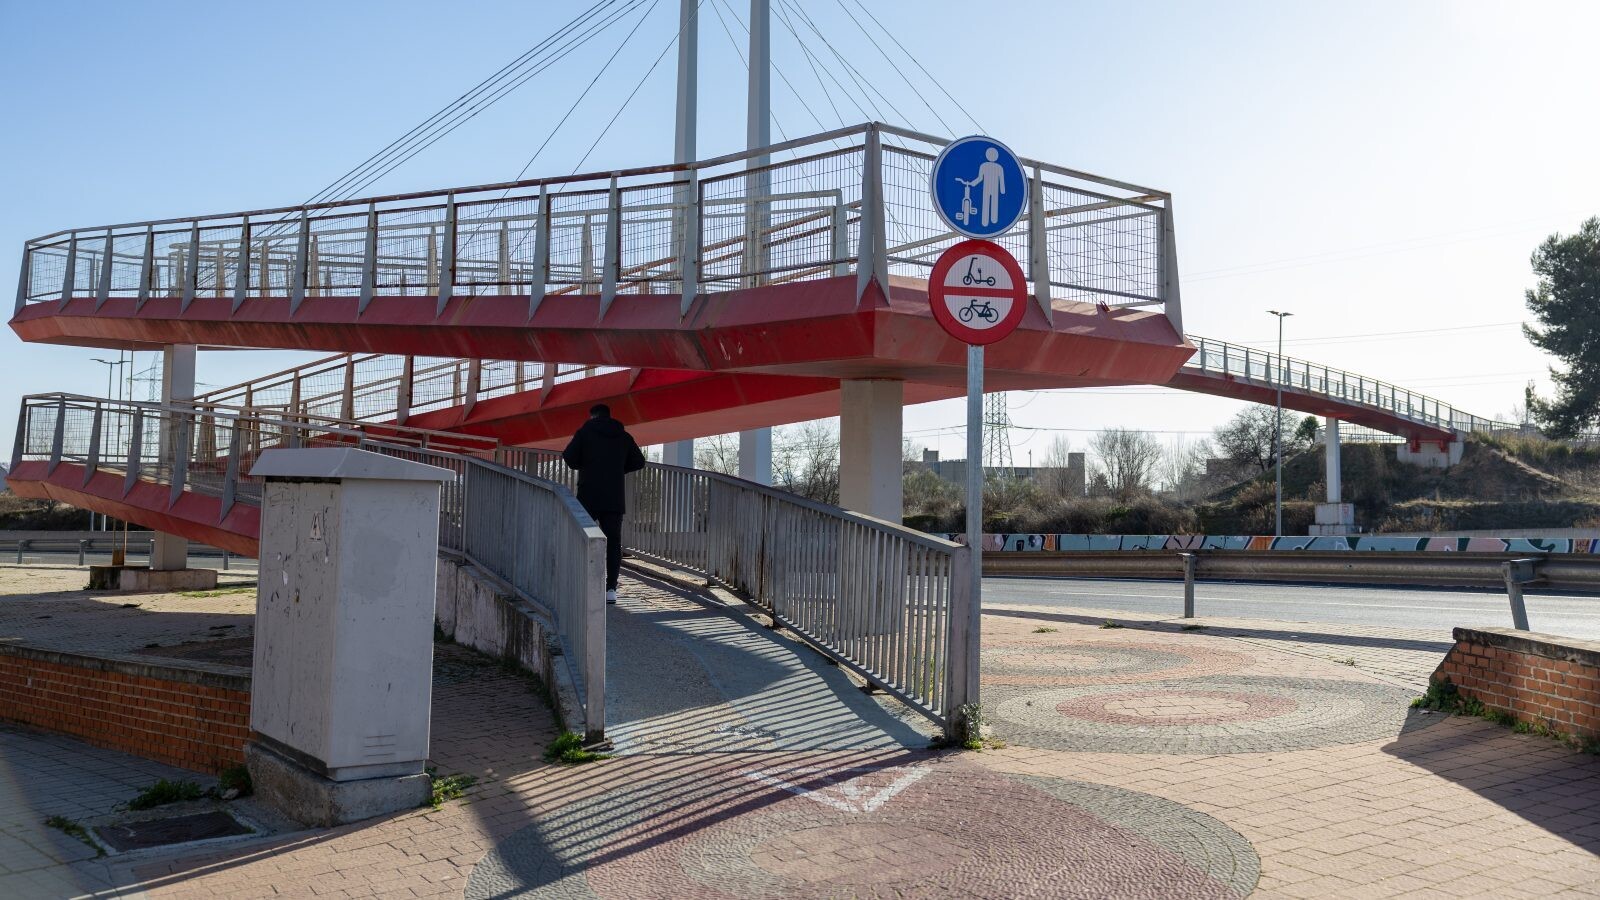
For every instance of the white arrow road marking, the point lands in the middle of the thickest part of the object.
(853, 795)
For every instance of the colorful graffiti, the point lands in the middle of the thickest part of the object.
(1099, 543)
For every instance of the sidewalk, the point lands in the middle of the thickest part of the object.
(1245, 758)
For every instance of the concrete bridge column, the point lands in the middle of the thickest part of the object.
(171, 553)
(871, 417)
(755, 455)
(679, 453)
(1333, 517)
(1335, 487)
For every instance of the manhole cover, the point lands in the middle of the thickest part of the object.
(176, 830)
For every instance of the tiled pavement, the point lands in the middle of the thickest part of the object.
(1245, 757)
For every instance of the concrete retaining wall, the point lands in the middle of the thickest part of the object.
(1539, 678)
(192, 715)
(472, 610)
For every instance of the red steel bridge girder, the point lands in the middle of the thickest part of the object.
(813, 328)
(194, 516)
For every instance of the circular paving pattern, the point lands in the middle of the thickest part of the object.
(1218, 714)
(932, 828)
(1107, 663)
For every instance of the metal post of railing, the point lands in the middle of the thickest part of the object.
(70, 274)
(103, 292)
(135, 451)
(347, 395)
(59, 437)
(541, 252)
(369, 261)
(402, 399)
(469, 397)
(839, 227)
(302, 258)
(21, 546)
(1190, 562)
(1038, 244)
(23, 421)
(191, 269)
(227, 558)
(24, 275)
(241, 274)
(447, 268)
(83, 547)
(230, 477)
(502, 272)
(93, 462)
(872, 249)
(611, 255)
(689, 249)
(1167, 285)
(181, 448)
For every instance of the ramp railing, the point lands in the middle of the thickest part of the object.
(528, 533)
(849, 201)
(372, 387)
(887, 602)
(1269, 369)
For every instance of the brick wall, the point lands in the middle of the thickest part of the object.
(192, 715)
(1539, 678)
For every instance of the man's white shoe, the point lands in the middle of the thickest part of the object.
(611, 596)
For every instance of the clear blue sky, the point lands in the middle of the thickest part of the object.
(1377, 168)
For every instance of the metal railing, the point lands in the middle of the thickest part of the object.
(528, 533)
(379, 388)
(886, 601)
(1268, 369)
(850, 200)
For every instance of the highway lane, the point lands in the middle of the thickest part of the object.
(1571, 615)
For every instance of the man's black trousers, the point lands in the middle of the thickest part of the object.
(611, 524)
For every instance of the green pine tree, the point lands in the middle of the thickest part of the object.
(1567, 304)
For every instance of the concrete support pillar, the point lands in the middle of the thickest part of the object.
(871, 414)
(755, 455)
(170, 552)
(1335, 487)
(679, 453)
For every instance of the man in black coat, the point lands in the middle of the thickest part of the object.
(603, 452)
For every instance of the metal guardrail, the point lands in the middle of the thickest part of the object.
(888, 602)
(853, 199)
(528, 533)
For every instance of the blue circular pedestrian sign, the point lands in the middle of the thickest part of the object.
(978, 187)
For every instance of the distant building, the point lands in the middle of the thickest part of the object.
(1073, 478)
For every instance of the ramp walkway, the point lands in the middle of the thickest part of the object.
(890, 604)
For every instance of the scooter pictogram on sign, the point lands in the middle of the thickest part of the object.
(977, 293)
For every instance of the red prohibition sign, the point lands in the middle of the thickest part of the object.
(977, 292)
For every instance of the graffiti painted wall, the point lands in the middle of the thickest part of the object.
(1107, 542)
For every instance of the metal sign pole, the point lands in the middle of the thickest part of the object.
(974, 623)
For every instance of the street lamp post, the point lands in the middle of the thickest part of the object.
(1277, 430)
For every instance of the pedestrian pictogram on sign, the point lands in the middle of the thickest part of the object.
(978, 187)
(977, 292)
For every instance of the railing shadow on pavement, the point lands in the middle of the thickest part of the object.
(777, 690)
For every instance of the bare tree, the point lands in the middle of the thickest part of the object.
(1183, 468)
(805, 460)
(717, 453)
(1246, 440)
(1052, 474)
(1126, 460)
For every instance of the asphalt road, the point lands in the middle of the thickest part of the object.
(1570, 615)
